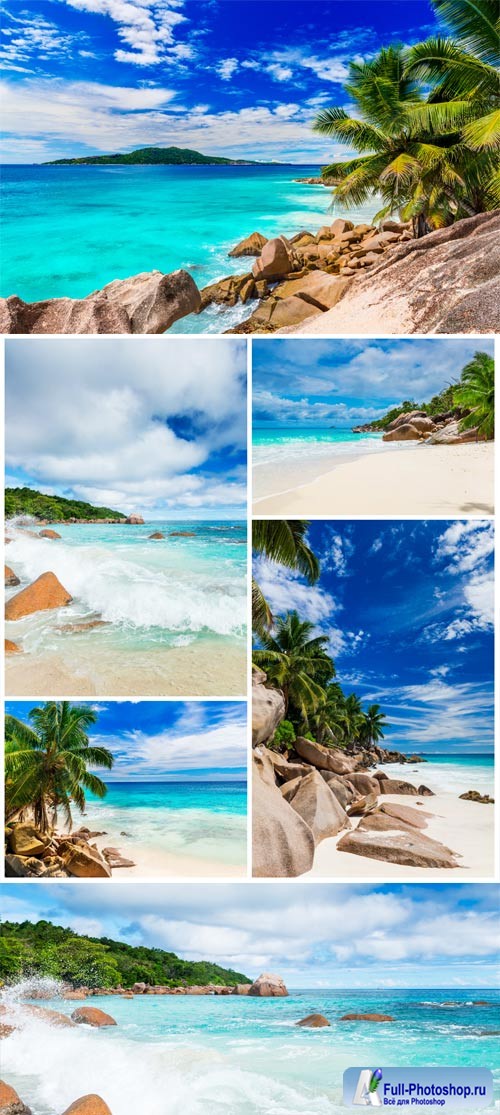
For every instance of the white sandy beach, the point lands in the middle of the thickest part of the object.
(207, 669)
(440, 480)
(155, 863)
(464, 826)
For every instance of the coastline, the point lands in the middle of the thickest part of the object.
(445, 481)
(211, 668)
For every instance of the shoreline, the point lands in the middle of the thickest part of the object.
(204, 669)
(446, 481)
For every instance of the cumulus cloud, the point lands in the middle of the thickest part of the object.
(192, 744)
(226, 68)
(146, 27)
(122, 423)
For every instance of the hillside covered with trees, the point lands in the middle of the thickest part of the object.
(54, 509)
(151, 156)
(42, 949)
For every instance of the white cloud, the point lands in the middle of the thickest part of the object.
(146, 27)
(183, 747)
(226, 68)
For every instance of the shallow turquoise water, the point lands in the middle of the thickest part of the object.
(203, 820)
(67, 231)
(240, 1056)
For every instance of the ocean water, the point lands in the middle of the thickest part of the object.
(447, 774)
(67, 231)
(150, 593)
(203, 820)
(238, 1056)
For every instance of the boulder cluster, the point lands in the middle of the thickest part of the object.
(417, 425)
(315, 792)
(30, 853)
(304, 275)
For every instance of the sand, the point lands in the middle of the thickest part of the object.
(208, 669)
(464, 826)
(155, 863)
(440, 480)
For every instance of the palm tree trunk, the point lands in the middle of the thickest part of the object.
(421, 226)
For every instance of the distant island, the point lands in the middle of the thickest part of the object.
(149, 156)
(43, 949)
(55, 509)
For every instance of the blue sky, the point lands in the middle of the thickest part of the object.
(240, 79)
(155, 426)
(159, 741)
(343, 382)
(408, 609)
(314, 936)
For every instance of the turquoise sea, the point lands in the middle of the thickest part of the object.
(149, 593)
(238, 1056)
(67, 231)
(446, 774)
(202, 820)
(287, 457)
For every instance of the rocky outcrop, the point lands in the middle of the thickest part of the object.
(397, 786)
(44, 594)
(88, 1105)
(268, 986)
(412, 849)
(314, 1021)
(26, 840)
(268, 708)
(285, 769)
(229, 291)
(251, 246)
(405, 813)
(86, 862)
(10, 1104)
(367, 1018)
(157, 534)
(91, 1016)
(342, 788)
(450, 434)
(182, 534)
(313, 800)
(363, 783)
(405, 432)
(275, 260)
(283, 844)
(474, 795)
(135, 520)
(11, 648)
(47, 533)
(11, 579)
(324, 758)
(446, 282)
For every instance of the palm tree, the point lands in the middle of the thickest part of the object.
(476, 391)
(329, 721)
(284, 542)
(354, 717)
(290, 657)
(46, 764)
(463, 71)
(397, 159)
(374, 723)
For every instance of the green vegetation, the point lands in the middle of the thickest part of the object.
(152, 156)
(42, 949)
(54, 509)
(426, 124)
(47, 765)
(297, 661)
(474, 392)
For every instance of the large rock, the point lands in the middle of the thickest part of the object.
(316, 288)
(11, 578)
(268, 709)
(279, 313)
(229, 291)
(49, 534)
(11, 648)
(45, 593)
(366, 1018)
(413, 849)
(92, 1016)
(86, 863)
(147, 303)
(88, 1105)
(405, 432)
(284, 769)
(275, 260)
(424, 426)
(157, 534)
(153, 301)
(26, 840)
(407, 416)
(283, 844)
(314, 1021)
(342, 788)
(405, 813)
(251, 246)
(268, 986)
(397, 786)
(364, 783)
(313, 800)
(10, 1104)
(446, 282)
(135, 520)
(452, 435)
(324, 758)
